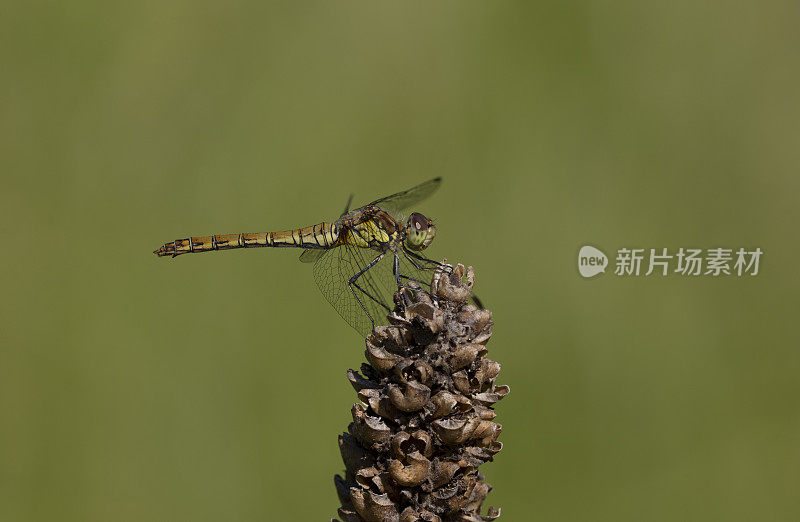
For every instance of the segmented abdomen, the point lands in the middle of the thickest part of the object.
(321, 235)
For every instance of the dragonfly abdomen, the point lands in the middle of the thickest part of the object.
(321, 235)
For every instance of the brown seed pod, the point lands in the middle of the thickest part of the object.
(426, 420)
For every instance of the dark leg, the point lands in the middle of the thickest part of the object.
(352, 283)
(398, 276)
(421, 283)
(416, 265)
(412, 256)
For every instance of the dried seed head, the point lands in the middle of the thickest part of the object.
(426, 420)
(412, 397)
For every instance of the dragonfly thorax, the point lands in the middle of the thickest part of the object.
(368, 227)
(420, 232)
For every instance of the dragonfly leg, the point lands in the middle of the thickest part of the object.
(421, 283)
(398, 276)
(351, 283)
(414, 257)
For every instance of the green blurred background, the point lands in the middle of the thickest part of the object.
(213, 387)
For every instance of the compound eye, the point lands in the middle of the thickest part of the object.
(418, 222)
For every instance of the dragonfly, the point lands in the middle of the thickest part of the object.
(359, 260)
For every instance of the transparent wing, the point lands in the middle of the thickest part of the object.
(310, 255)
(395, 203)
(369, 298)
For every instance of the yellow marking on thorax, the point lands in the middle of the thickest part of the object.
(366, 234)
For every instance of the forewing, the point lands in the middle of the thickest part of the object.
(396, 203)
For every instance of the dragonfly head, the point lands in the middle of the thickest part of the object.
(420, 231)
